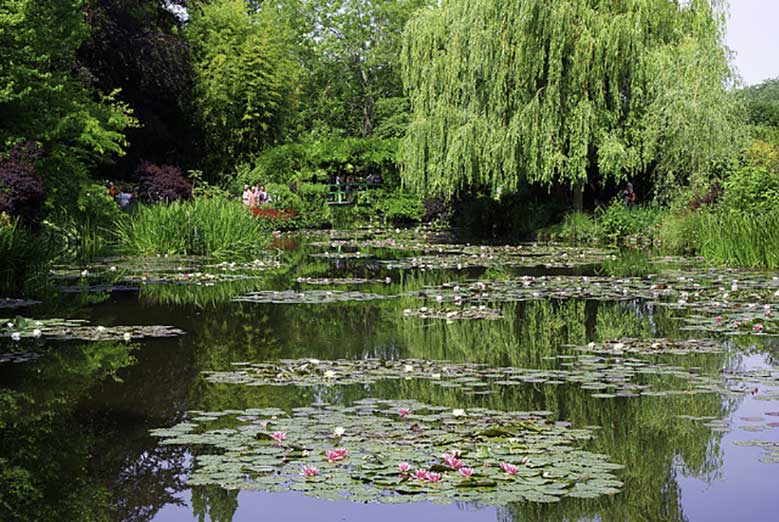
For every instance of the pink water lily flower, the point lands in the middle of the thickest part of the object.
(403, 412)
(279, 436)
(336, 455)
(404, 467)
(433, 477)
(509, 469)
(422, 474)
(757, 328)
(452, 461)
(466, 472)
(718, 320)
(309, 471)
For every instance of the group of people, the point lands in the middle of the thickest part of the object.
(256, 196)
(122, 197)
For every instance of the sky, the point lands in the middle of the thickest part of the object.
(753, 34)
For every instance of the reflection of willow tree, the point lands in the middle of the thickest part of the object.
(198, 295)
(43, 441)
(527, 333)
(644, 433)
(214, 503)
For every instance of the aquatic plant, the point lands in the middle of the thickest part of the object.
(236, 454)
(215, 227)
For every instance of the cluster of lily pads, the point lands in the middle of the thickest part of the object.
(70, 329)
(455, 314)
(653, 347)
(385, 451)
(308, 297)
(603, 377)
(339, 281)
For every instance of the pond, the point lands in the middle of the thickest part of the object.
(383, 374)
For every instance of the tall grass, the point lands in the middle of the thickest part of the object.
(739, 239)
(24, 259)
(214, 227)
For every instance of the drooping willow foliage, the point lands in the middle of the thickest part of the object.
(506, 92)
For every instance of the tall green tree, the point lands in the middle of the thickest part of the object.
(46, 96)
(508, 92)
(246, 78)
(350, 50)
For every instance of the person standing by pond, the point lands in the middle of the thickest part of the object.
(246, 196)
(262, 196)
(629, 196)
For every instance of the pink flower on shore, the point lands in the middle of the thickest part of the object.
(421, 474)
(433, 477)
(309, 471)
(336, 455)
(404, 467)
(452, 461)
(466, 472)
(279, 436)
(509, 469)
(403, 412)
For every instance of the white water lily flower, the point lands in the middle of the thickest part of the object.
(112, 269)
(388, 280)
(9, 325)
(619, 346)
(339, 431)
(436, 376)
(84, 273)
(101, 329)
(36, 333)
(458, 413)
(329, 374)
(314, 361)
(16, 336)
(408, 368)
(38, 323)
(439, 298)
(127, 336)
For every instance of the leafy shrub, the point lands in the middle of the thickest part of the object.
(620, 223)
(88, 229)
(215, 227)
(752, 189)
(24, 257)
(577, 228)
(677, 232)
(322, 159)
(388, 207)
(162, 182)
(21, 189)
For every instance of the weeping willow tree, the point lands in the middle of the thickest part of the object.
(506, 92)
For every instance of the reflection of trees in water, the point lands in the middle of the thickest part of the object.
(45, 449)
(146, 484)
(218, 504)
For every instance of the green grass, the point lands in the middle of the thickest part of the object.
(738, 239)
(24, 259)
(215, 227)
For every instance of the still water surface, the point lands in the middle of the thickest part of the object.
(89, 407)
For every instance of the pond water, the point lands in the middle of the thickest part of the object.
(661, 429)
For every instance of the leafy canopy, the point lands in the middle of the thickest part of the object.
(246, 78)
(506, 92)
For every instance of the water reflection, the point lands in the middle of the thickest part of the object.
(75, 423)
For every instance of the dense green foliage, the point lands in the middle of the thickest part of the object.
(506, 92)
(205, 227)
(246, 78)
(23, 258)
